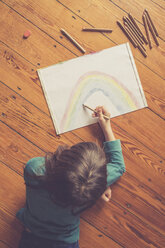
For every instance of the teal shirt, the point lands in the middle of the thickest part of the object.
(46, 219)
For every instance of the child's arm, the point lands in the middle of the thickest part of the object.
(115, 165)
(113, 151)
(104, 123)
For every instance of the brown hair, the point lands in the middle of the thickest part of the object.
(76, 176)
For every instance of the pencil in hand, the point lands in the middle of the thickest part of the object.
(106, 117)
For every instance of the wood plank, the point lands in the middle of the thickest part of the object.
(148, 79)
(15, 151)
(109, 13)
(31, 123)
(137, 7)
(142, 201)
(136, 233)
(33, 48)
(39, 39)
(126, 186)
(34, 98)
(18, 104)
(161, 103)
(156, 104)
(90, 237)
(24, 80)
(102, 10)
(25, 84)
(22, 77)
(139, 125)
(29, 87)
(10, 229)
(16, 111)
(14, 185)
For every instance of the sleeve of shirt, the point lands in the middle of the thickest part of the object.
(34, 167)
(115, 165)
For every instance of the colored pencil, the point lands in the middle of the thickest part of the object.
(137, 27)
(127, 34)
(135, 37)
(151, 30)
(135, 24)
(146, 30)
(133, 28)
(106, 117)
(133, 31)
(130, 34)
(146, 11)
(73, 40)
(142, 51)
(137, 44)
(98, 30)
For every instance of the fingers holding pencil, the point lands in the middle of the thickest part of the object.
(101, 112)
(104, 120)
(105, 124)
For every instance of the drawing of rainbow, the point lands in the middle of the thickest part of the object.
(90, 83)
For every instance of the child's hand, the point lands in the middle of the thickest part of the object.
(106, 196)
(104, 123)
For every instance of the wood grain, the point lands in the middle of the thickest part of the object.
(105, 14)
(33, 48)
(104, 10)
(137, 8)
(147, 84)
(150, 81)
(14, 121)
(15, 151)
(142, 130)
(137, 124)
(22, 116)
(24, 80)
(135, 215)
(10, 229)
(136, 234)
(136, 187)
(16, 111)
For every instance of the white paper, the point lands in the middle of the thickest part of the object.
(108, 78)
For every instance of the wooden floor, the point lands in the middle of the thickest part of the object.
(135, 217)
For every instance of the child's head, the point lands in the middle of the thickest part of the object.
(76, 176)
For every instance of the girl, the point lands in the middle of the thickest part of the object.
(62, 185)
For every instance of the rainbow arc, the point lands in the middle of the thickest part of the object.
(89, 84)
